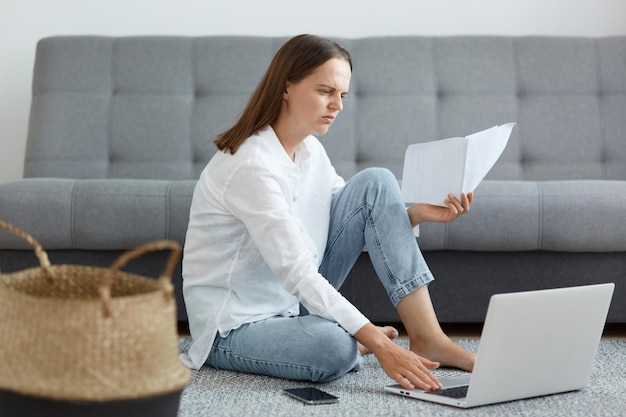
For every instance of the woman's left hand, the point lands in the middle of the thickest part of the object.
(420, 212)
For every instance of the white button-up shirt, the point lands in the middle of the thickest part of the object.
(258, 227)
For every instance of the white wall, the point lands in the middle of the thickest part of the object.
(23, 22)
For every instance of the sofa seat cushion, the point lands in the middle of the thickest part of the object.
(102, 214)
(567, 216)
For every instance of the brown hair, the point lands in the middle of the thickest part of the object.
(293, 62)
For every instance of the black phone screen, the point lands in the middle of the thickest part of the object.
(312, 395)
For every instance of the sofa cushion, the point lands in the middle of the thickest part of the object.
(566, 216)
(95, 214)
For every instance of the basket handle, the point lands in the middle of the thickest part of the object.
(165, 279)
(41, 254)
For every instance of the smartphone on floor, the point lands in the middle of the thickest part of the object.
(311, 395)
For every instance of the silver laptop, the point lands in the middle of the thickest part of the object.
(533, 343)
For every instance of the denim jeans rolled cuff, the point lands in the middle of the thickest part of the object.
(405, 288)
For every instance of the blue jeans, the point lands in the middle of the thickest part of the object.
(367, 212)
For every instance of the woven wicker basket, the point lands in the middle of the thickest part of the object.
(89, 334)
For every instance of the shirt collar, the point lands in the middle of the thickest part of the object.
(303, 152)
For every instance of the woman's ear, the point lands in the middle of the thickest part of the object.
(286, 91)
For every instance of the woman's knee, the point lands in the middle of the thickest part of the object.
(336, 350)
(380, 186)
(377, 176)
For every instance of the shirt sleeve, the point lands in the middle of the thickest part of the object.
(254, 194)
(416, 229)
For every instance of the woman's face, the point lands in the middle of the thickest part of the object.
(311, 105)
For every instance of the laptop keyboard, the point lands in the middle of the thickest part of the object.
(448, 372)
(454, 392)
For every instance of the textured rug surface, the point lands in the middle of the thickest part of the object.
(222, 393)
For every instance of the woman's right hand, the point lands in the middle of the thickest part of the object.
(405, 367)
(408, 369)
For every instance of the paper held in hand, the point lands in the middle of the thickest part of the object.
(432, 170)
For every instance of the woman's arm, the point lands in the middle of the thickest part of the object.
(255, 194)
(420, 213)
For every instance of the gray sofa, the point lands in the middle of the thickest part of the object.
(121, 127)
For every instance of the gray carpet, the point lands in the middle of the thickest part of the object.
(221, 393)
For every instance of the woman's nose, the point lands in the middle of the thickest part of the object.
(337, 103)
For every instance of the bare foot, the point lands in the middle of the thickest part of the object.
(389, 331)
(445, 351)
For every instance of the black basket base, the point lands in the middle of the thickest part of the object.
(13, 404)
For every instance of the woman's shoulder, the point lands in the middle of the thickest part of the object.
(247, 163)
(246, 159)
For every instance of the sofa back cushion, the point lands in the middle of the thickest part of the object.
(149, 107)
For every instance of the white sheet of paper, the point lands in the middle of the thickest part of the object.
(434, 169)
